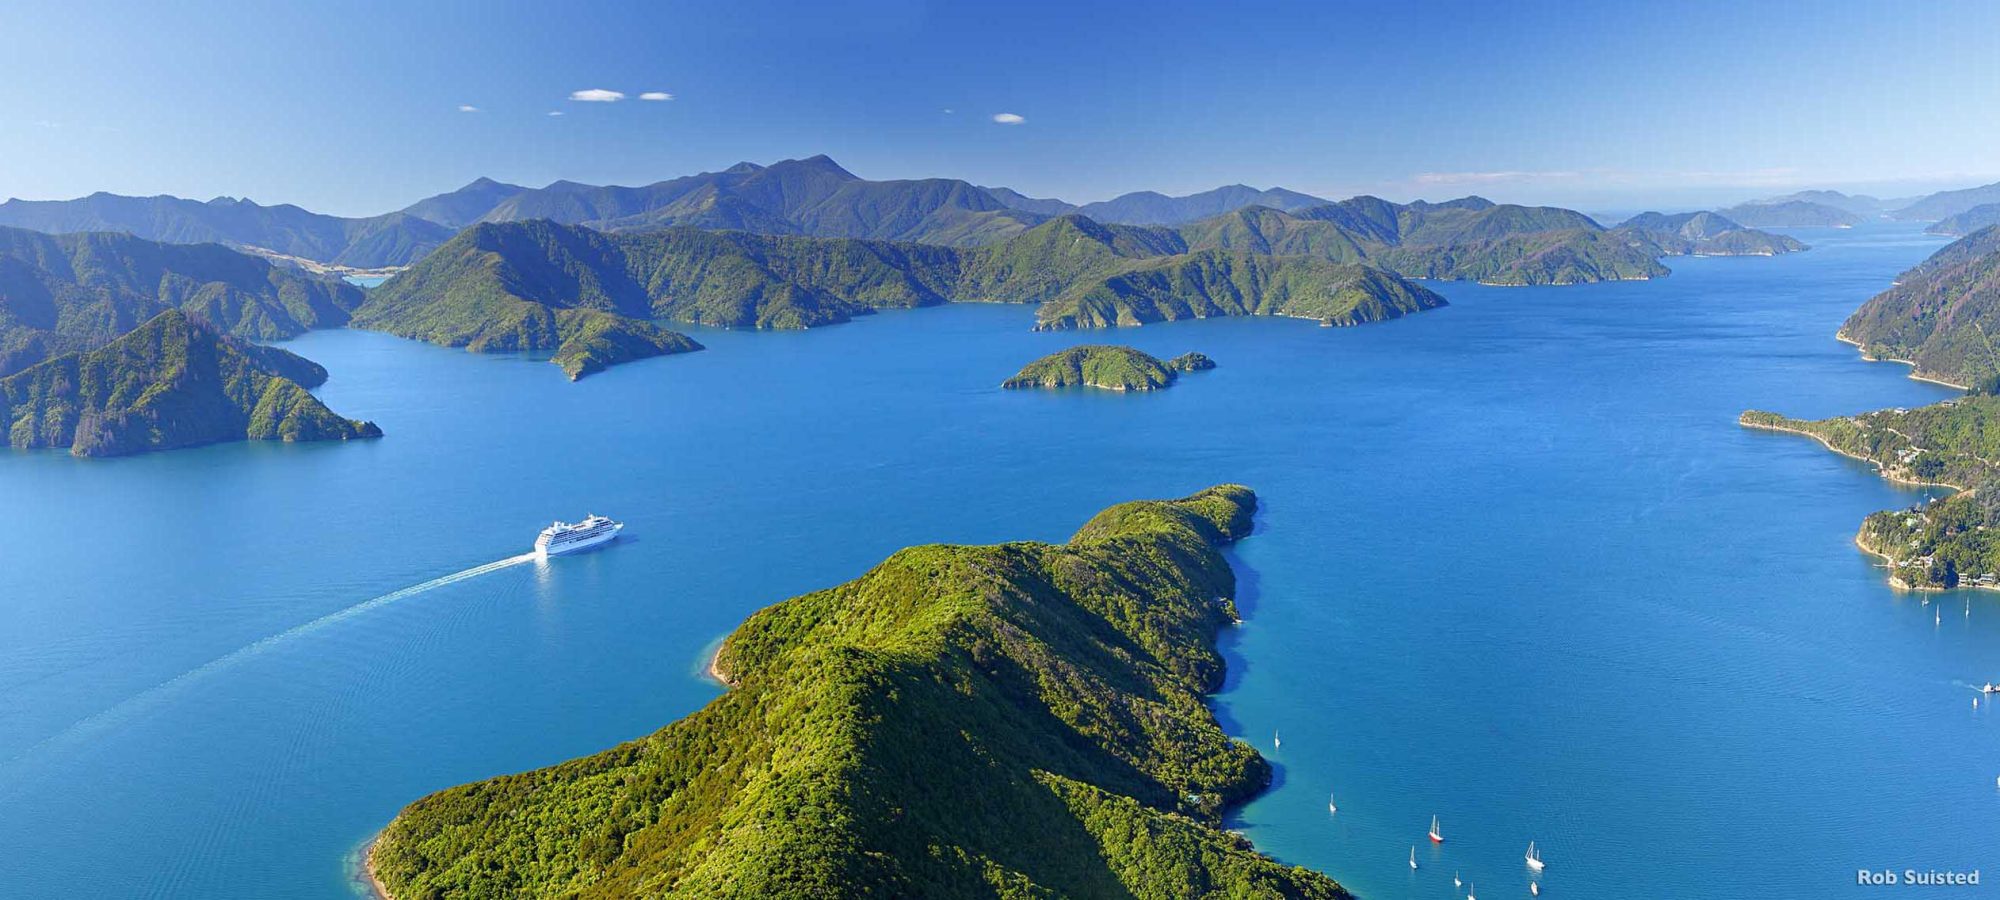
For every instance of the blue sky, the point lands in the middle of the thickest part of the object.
(354, 108)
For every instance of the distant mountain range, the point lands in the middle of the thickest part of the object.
(394, 239)
(813, 197)
(1968, 221)
(1822, 208)
(1862, 205)
(1945, 204)
(1791, 214)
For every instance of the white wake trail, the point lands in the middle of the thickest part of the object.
(130, 704)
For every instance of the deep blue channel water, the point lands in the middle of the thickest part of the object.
(1516, 567)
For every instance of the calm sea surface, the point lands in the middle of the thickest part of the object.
(1516, 567)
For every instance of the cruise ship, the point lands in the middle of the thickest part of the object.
(564, 537)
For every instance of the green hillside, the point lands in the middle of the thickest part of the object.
(528, 286)
(514, 286)
(172, 382)
(1941, 315)
(65, 293)
(1016, 720)
(1218, 283)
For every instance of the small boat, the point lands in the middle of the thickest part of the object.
(1535, 888)
(1990, 688)
(1455, 882)
(1534, 857)
(1413, 856)
(1275, 743)
(1330, 807)
(1437, 837)
(1468, 893)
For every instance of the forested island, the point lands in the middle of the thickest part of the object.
(1021, 719)
(1108, 367)
(172, 382)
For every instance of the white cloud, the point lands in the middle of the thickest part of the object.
(463, 107)
(656, 95)
(597, 95)
(949, 111)
(1009, 118)
(555, 112)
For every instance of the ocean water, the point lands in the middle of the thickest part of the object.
(1516, 567)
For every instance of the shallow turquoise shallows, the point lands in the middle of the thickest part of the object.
(1517, 567)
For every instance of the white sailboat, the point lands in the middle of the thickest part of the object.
(1534, 857)
(1455, 882)
(1413, 856)
(1275, 742)
(1468, 893)
(1330, 807)
(1437, 837)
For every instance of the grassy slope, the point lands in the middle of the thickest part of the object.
(1017, 720)
(172, 382)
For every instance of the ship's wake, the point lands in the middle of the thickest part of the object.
(129, 705)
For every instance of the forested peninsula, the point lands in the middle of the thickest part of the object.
(173, 382)
(1935, 319)
(1020, 719)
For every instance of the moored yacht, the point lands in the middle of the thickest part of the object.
(1534, 857)
(565, 537)
(1437, 837)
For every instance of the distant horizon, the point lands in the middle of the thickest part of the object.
(363, 107)
(1718, 197)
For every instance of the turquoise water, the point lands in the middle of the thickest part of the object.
(1516, 567)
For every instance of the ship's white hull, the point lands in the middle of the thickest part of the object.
(547, 548)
